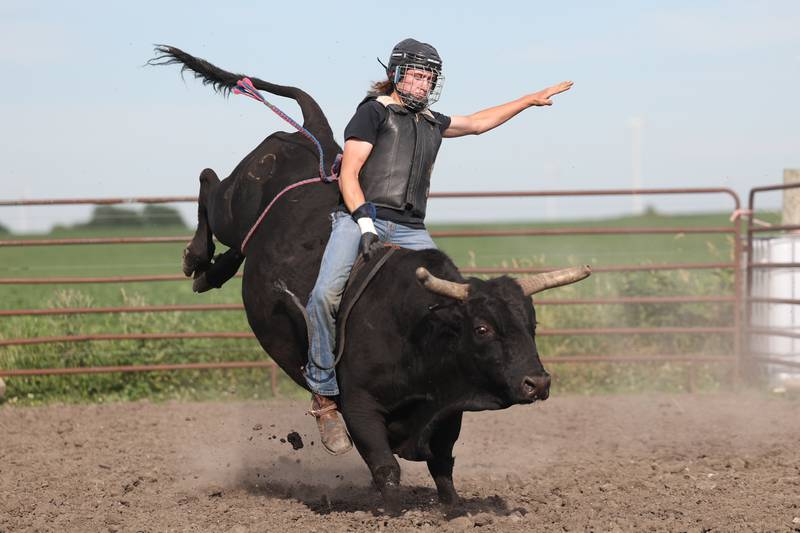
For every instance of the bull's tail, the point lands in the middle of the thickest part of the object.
(281, 286)
(222, 81)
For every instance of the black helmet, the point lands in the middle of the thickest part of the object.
(411, 51)
(410, 54)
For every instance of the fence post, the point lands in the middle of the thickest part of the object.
(738, 308)
(2, 389)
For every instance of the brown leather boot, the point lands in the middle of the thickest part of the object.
(332, 430)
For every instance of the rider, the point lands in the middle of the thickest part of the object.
(390, 147)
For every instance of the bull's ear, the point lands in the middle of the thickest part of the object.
(451, 289)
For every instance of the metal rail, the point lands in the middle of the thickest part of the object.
(548, 332)
(774, 360)
(116, 310)
(561, 359)
(65, 280)
(101, 201)
(68, 280)
(543, 232)
(591, 192)
(135, 368)
(466, 194)
(773, 265)
(776, 227)
(759, 300)
(773, 332)
(598, 269)
(679, 358)
(128, 337)
(239, 307)
(85, 241)
(549, 232)
(560, 232)
(622, 300)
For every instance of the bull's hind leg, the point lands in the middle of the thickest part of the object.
(198, 253)
(441, 466)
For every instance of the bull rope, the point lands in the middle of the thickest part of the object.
(246, 88)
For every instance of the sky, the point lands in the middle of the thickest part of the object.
(692, 94)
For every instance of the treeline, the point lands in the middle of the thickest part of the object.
(109, 216)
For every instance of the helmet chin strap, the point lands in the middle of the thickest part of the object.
(383, 64)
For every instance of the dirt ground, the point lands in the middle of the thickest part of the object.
(613, 463)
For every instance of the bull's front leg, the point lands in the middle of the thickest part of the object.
(367, 426)
(441, 465)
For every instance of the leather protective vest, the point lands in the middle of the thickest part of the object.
(397, 173)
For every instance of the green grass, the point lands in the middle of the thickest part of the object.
(514, 252)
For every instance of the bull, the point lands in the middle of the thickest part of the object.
(425, 344)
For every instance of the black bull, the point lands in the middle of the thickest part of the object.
(420, 350)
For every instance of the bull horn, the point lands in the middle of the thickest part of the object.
(451, 289)
(556, 278)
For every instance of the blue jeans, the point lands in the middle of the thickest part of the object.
(323, 304)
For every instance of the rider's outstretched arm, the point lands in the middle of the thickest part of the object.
(488, 119)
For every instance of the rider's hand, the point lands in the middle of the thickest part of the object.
(542, 97)
(370, 243)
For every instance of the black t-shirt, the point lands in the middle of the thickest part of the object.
(364, 126)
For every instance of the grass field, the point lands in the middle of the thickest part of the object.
(500, 252)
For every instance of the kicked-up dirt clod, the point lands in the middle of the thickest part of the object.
(295, 440)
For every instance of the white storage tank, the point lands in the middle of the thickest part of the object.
(777, 283)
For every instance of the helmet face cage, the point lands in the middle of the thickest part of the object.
(419, 85)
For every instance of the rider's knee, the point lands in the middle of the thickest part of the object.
(325, 297)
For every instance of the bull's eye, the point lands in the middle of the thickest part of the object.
(483, 330)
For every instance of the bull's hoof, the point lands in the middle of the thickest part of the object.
(191, 262)
(201, 284)
(450, 499)
(392, 503)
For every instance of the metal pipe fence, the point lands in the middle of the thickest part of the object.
(751, 266)
(735, 300)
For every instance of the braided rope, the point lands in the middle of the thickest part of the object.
(246, 87)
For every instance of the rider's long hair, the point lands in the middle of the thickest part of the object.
(379, 88)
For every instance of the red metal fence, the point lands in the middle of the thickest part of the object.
(739, 268)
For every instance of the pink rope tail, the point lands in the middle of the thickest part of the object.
(246, 88)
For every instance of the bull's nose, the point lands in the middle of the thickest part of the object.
(536, 387)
